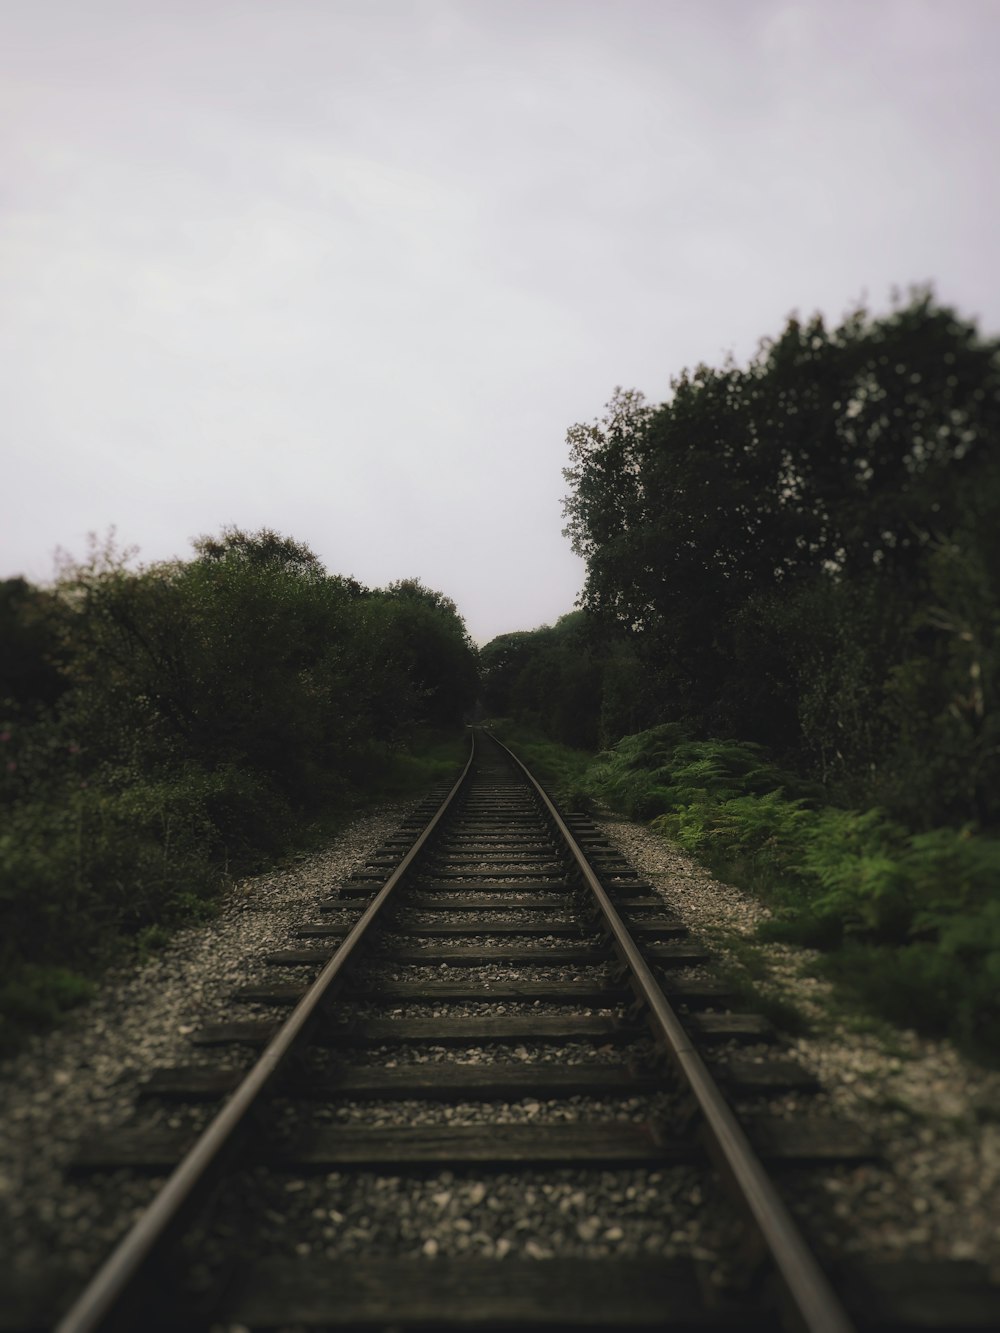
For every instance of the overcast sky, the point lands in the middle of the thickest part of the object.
(350, 268)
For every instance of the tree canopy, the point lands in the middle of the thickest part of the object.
(804, 552)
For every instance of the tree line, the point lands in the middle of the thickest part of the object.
(164, 726)
(788, 647)
(802, 553)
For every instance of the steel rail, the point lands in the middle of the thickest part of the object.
(815, 1305)
(104, 1301)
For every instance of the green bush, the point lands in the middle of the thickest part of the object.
(910, 922)
(634, 775)
(946, 987)
(755, 837)
(189, 721)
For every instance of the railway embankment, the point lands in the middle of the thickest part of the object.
(927, 1193)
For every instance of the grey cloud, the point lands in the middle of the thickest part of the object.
(318, 266)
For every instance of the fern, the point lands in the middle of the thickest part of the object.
(912, 921)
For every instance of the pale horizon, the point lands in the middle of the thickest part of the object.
(351, 271)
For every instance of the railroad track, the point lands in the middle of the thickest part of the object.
(497, 957)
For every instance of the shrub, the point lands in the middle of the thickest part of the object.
(911, 922)
(191, 719)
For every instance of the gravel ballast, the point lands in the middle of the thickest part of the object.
(936, 1191)
(935, 1115)
(84, 1077)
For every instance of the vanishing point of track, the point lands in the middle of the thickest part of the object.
(494, 844)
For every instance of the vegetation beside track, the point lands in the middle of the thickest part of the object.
(788, 652)
(560, 768)
(165, 728)
(788, 647)
(907, 924)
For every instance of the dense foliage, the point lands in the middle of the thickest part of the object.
(161, 726)
(911, 922)
(804, 555)
(550, 678)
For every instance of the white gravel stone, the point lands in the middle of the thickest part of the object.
(83, 1078)
(533, 1214)
(934, 1114)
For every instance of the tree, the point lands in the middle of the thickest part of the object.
(264, 548)
(800, 501)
